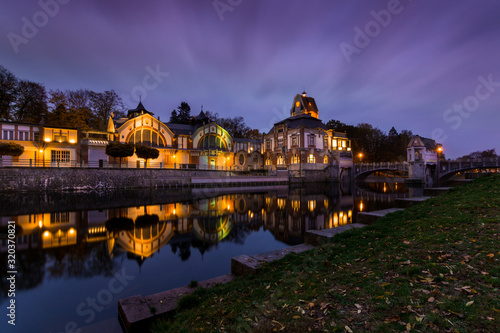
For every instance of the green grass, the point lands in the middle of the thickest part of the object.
(431, 268)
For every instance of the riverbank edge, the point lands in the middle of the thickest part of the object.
(423, 319)
(24, 179)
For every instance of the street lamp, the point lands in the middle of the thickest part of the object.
(360, 155)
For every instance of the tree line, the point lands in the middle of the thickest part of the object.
(27, 101)
(373, 144)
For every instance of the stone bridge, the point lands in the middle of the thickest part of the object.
(363, 170)
(449, 168)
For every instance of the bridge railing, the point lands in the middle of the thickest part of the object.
(365, 167)
(451, 166)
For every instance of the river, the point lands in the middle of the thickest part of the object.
(77, 254)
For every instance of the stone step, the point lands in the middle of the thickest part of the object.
(433, 191)
(137, 312)
(408, 202)
(370, 217)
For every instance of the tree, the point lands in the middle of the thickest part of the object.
(174, 118)
(31, 102)
(182, 115)
(8, 88)
(80, 112)
(103, 104)
(58, 109)
(146, 153)
(11, 149)
(119, 150)
(184, 112)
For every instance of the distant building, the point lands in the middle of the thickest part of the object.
(304, 142)
(422, 157)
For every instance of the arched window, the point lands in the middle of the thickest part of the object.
(311, 159)
(268, 161)
(295, 159)
(212, 141)
(325, 159)
(147, 137)
(281, 160)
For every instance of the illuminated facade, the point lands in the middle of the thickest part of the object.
(304, 142)
(199, 145)
(43, 145)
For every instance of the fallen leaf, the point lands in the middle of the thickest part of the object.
(431, 299)
(469, 303)
(296, 317)
(348, 329)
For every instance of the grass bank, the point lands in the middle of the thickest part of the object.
(431, 268)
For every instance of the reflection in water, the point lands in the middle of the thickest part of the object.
(84, 243)
(144, 230)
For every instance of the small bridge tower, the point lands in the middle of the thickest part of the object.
(423, 157)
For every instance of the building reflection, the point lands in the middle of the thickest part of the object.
(142, 231)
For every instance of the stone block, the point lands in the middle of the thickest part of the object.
(244, 265)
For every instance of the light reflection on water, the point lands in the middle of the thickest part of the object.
(67, 259)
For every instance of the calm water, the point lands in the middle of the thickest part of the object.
(78, 254)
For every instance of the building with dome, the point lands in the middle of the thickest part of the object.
(303, 142)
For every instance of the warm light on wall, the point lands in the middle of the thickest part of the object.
(41, 151)
(47, 139)
(72, 141)
(40, 224)
(361, 206)
(71, 231)
(46, 234)
(174, 211)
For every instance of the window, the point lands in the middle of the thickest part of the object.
(295, 159)
(311, 159)
(24, 136)
(280, 143)
(8, 135)
(36, 136)
(295, 141)
(59, 217)
(60, 156)
(334, 144)
(325, 142)
(311, 140)
(268, 161)
(281, 160)
(212, 142)
(268, 145)
(325, 159)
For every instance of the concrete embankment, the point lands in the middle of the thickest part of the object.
(76, 179)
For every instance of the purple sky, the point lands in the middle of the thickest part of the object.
(251, 57)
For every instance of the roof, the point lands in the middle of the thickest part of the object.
(247, 140)
(302, 120)
(181, 129)
(201, 116)
(429, 144)
(132, 112)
